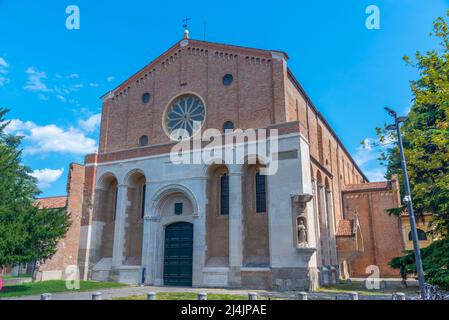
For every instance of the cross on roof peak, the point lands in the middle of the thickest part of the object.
(185, 25)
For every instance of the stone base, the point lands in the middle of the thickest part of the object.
(289, 279)
(127, 274)
(215, 277)
(234, 277)
(256, 278)
(101, 271)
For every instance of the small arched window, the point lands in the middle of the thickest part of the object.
(146, 97)
(261, 195)
(422, 236)
(228, 125)
(224, 194)
(143, 140)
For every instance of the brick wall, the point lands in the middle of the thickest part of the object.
(382, 233)
(67, 252)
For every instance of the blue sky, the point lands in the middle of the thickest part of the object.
(51, 77)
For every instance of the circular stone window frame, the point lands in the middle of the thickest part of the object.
(167, 107)
(146, 94)
(228, 77)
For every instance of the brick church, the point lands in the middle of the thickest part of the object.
(139, 217)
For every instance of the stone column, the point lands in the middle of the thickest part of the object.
(119, 228)
(152, 263)
(146, 241)
(199, 231)
(332, 227)
(325, 234)
(235, 224)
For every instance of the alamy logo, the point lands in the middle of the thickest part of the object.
(72, 281)
(372, 22)
(234, 147)
(373, 280)
(72, 22)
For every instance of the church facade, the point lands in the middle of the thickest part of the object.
(293, 220)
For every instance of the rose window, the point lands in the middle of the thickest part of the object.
(185, 116)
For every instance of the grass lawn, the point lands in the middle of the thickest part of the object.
(190, 296)
(51, 286)
(360, 288)
(15, 277)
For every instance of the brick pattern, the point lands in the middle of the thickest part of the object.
(51, 202)
(382, 233)
(345, 228)
(67, 252)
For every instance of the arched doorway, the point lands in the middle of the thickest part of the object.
(178, 254)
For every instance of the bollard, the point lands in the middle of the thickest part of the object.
(202, 296)
(303, 295)
(399, 296)
(46, 296)
(353, 296)
(96, 296)
(151, 296)
(252, 295)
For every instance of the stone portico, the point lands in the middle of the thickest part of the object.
(246, 260)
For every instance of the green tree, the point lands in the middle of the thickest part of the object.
(435, 263)
(426, 134)
(27, 233)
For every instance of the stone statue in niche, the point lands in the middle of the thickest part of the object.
(302, 232)
(299, 203)
(300, 217)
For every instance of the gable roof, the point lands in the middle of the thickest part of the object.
(212, 45)
(51, 202)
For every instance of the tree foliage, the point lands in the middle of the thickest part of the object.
(435, 263)
(426, 134)
(27, 233)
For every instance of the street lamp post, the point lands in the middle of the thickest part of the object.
(408, 201)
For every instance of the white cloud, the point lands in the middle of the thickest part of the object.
(51, 138)
(73, 76)
(61, 98)
(46, 176)
(367, 156)
(3, 63)
(90, 124)
(365, 153)
(35, 81)
(92, 84)
(110, 78)
(375, 174)
(18, 127)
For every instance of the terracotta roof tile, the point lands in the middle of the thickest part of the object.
(383, 185)
(51, 202)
